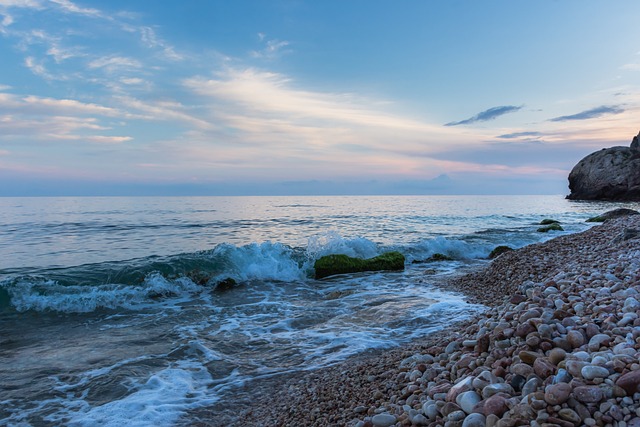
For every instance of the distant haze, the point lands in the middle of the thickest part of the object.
(311, 97)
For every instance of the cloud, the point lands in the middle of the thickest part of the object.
(152, 41)
(486, 115)
(47, 119)
(114, 63)
(271, 48)
(37, 68)
(273, 96)
(518, 135)
(631, 67)
(590, 114)
(163, 110)
(70, 7)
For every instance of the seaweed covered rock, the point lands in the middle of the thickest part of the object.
(616, 213)
(341, 264)
(550, 227)
(499, 250)
(548, 221)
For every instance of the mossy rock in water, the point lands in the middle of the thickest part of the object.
(198, 277)
(548, 221)
(552, 227)
(499, 250)
(616, 213)
(440, 257)
(341, 264)
(226, 284)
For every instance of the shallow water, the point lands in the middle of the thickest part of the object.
(102, 321)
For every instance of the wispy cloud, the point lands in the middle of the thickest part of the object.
(115, 63)
(57, 37)
(49, 119)
(590, 114)
(70, 7)
(37, 68)
(271, 48)
(517, 135)
(163, 110)
(486, 115)
(273, 95)
(152, 41)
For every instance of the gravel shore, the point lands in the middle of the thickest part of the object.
(559, 346)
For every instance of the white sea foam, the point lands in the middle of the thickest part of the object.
(37, 294)
(332, 242)
(264, 261)
(160, 401)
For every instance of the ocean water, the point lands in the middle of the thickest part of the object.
(111, 313)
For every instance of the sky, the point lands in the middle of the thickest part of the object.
(213, 97)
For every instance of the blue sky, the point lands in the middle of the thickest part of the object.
(311, 97)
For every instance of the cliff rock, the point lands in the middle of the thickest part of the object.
(609, 174)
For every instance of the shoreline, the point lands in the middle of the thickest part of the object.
(559, 345)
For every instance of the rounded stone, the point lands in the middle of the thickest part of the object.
(521, 369)
(574, 367)
(588, 394)
(456, 416)
(597, 341)
(575, 338)
(468, 400)
(531, 386)
(630, 382)
(570, 415)
(495, 405)
(543, 368)
(557, 355)
(557, 394)
(493, 389)
(474, 420)
(562, 376)
(420, 420)
(591, 372)
(528, 357)
(448, 408)
(383, 420)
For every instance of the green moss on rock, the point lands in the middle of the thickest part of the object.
(554, 227)
(440, 257)
(548, 221)
(616, 213)
(499, 250)
(341, 264)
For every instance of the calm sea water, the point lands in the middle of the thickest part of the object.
(110, 316)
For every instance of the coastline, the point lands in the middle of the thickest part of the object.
(559, 345)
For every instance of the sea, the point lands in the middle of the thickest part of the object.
(119, 311)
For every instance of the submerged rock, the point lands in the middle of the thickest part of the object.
(226, 284)
(554, 227)
(609, 174)
(341, 264)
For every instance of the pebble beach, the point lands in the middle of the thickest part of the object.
(559, 345)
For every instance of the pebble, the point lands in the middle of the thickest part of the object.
(588, 394)
(591, 372)
(383, 420)
(475, 420)
(570, 415)
(557, 394)
(468, 400)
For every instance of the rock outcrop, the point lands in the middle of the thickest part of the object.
(341, 264)
(609, 174)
